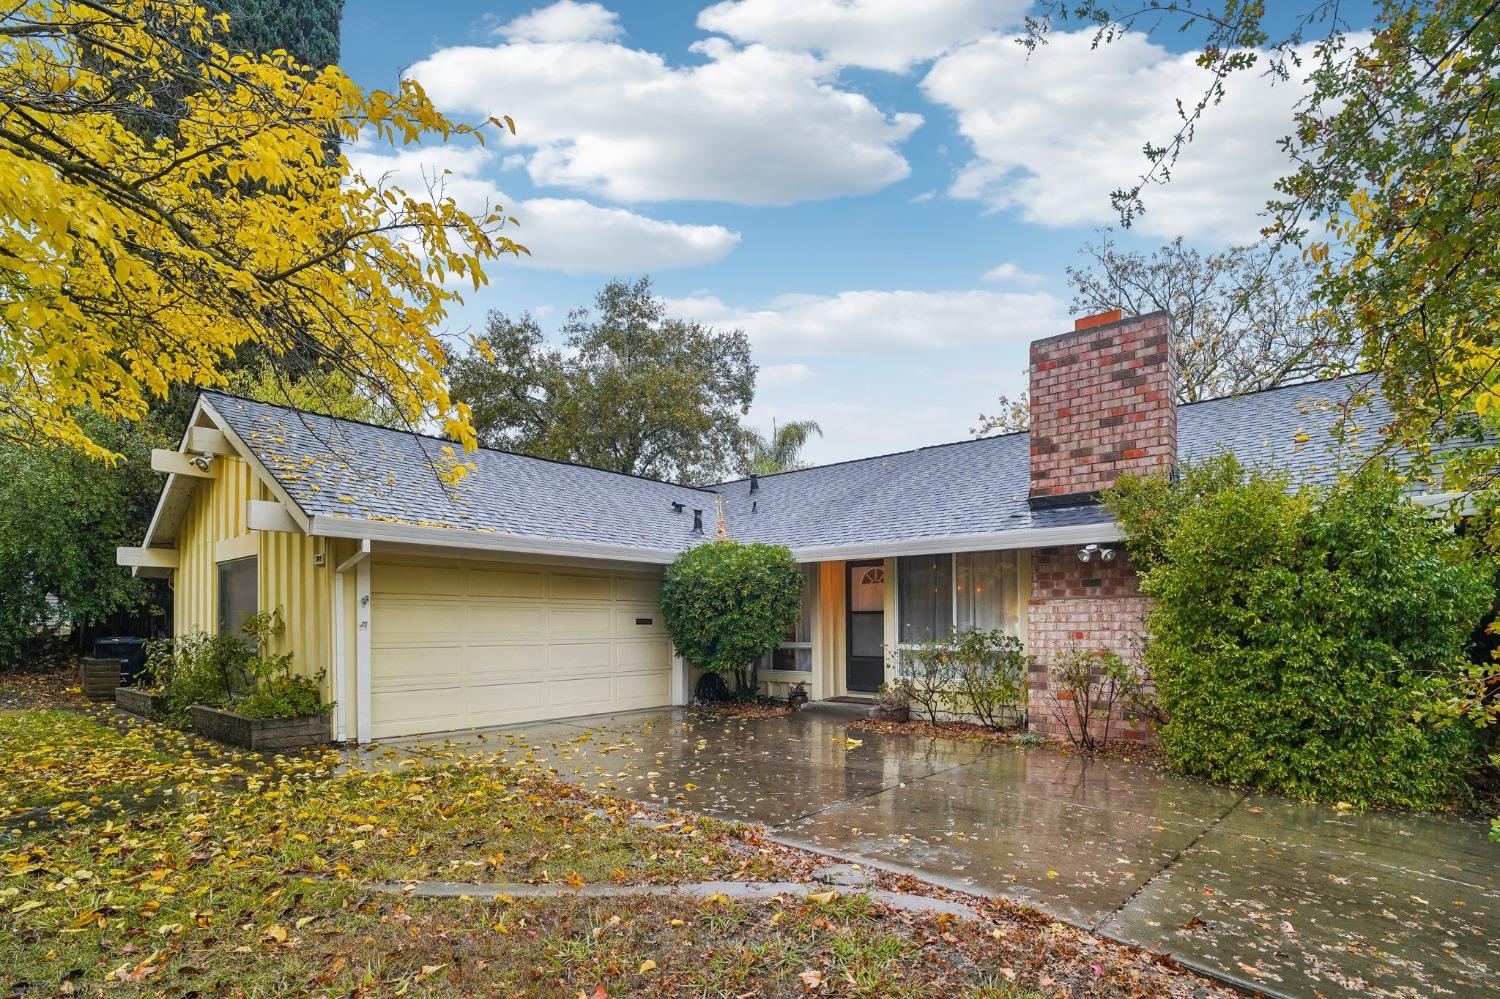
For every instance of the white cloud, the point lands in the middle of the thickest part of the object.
(865, 321)
(1053, 136)
(878, 34)
(751, 125)
(775, 376)
(566, 234)
(564, 21)
(1009, 273)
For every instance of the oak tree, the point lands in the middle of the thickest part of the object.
(632, 389)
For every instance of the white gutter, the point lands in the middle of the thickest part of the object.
(1035, 537)
(468, 539)
(472, 540)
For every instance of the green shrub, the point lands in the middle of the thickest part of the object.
(282, 694)
(1310, 642)
(927, 674)
(727, 604)
(234, 672)
(201, 669)
(990, 675)
(979, 673)
(1086, 685)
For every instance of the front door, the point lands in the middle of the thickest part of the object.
(865, 611)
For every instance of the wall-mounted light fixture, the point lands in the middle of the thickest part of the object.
(1090, 552)
(202, 462)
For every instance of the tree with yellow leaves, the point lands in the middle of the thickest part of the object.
(137, 258)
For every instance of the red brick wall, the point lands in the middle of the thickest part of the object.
(1101, 404)
(1092, 605)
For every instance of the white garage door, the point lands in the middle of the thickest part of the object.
(459, 644)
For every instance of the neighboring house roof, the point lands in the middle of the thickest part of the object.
(349, 476)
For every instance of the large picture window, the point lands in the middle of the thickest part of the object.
(924, 597)
(937, 595)
(794, 655)
(239, 596)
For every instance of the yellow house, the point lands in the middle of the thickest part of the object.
(530, 590)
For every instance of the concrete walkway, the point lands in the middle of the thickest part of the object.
(1290, 898)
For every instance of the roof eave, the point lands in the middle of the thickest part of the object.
(1034, 537)
(470, 539)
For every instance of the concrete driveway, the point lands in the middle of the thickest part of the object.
(1286, 897)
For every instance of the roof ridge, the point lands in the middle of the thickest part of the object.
(1021, 433)
(446, 440)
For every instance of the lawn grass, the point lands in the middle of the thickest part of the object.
(256, 880)
(69, 764)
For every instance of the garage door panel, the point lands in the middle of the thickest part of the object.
(506, 620)
(507, 583)
(576, 657)
(566, 621)
(503, 644)
(407, 668)
(638, 589)
(406, 711)
(638, 621)
(646, 690)
(417, 580)
(652, 654)
(579, 586)
(504, 663)
(505, 702)
(413, 620)
(584, 695)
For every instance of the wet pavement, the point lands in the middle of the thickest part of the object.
(1282, 896)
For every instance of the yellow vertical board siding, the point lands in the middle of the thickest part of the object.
(291, 582)
(288, 580)
(828, 635)
(216, 513)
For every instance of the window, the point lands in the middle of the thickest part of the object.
(939, 594)
(924, 597)
(794, 655)
(238, 594)
(984, 591)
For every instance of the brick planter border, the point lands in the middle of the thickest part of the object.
(260, 733)
(141, 702)
(99, 678)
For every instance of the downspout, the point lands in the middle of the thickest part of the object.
(359, 561)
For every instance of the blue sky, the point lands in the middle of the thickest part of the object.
(883, 194)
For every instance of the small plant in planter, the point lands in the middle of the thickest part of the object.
(149, 698)
(231, 689)
(893, 701)
(798, 697)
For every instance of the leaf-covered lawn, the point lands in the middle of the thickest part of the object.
(68, 760)
(256, 880)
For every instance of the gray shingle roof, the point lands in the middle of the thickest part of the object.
(342, 468)
(980, 486)
(346, 469)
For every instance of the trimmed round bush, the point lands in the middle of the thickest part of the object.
(727, 604)
(1303, 642)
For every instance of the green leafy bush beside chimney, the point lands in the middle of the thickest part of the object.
(1309, 642)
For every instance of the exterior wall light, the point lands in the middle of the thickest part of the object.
(1090, 552)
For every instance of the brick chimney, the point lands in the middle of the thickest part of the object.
(1102, 403)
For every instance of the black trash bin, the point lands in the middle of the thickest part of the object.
(130, 651)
